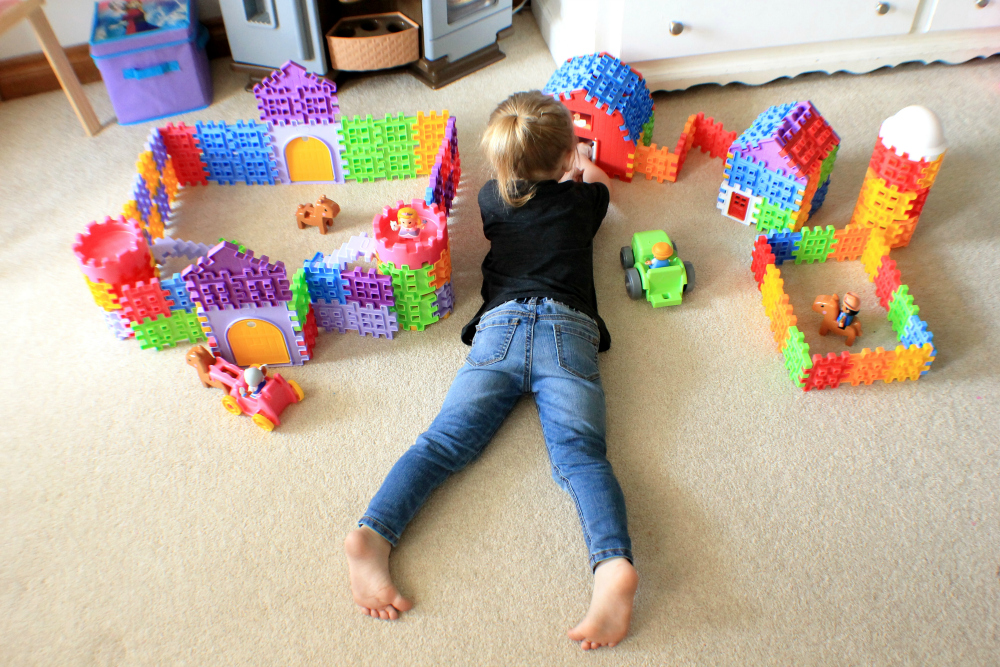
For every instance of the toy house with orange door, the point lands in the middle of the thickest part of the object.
(248, 308)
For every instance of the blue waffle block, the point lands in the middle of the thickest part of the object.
(820, 196)
(916, 333)
(780, 189)
(237, 153)
(764, 125)
(178, 292)
(324, 283)
(784, 245)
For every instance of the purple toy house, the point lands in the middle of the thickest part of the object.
(246, 309)
(300, 109)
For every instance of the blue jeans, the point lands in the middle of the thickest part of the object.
(538, 346)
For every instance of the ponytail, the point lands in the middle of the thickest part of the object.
(526, 139)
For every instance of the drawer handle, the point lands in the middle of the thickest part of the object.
(982, 3)
(882, 8)
(155, 70)
(676, 28)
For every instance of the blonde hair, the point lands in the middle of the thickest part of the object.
(526, 139)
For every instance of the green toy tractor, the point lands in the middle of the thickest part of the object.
(663, 285)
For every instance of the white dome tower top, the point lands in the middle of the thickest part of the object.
(915, 130)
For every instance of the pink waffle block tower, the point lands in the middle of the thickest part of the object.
(420, 267)
(113, 253)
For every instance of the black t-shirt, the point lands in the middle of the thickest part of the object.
(542, 249)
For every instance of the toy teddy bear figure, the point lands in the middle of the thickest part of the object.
(408, 223)
(661, 255)
(256, 379)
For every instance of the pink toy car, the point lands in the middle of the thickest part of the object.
(264, 409)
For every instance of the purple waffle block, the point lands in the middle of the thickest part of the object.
(367, 287)
(227, 278)
(444, 300)
(140, 192)
(158, 148)
(291, 95)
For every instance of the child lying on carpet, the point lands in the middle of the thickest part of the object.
(537, 332)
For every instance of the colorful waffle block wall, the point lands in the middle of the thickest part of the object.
(910, 359)
(247, 308)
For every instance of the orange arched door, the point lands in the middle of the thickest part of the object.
(257, 342)
(308, 159)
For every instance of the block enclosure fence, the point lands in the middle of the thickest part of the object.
(248, 308)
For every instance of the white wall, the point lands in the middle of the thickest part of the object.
(71, 20)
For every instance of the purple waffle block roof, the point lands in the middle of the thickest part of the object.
(291, 95)
(228, 278)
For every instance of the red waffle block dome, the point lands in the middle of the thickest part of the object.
(412, 252)
(114, 252)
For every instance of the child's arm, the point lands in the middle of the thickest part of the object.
(585, 170)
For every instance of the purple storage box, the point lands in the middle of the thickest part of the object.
(152, 58)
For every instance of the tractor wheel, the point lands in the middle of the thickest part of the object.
(626, 257)
(230, 404)
(633, 283)
(297, 389)
(689, 268)
(263, 422)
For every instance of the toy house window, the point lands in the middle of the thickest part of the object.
(583, 121)
(738, 206)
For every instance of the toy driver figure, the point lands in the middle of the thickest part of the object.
(409, 223)
(256, 379)
(661, 255)
(848, 310)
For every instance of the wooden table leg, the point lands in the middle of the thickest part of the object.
(64, 72)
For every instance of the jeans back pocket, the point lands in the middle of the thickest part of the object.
(576, 348)
(491, 341)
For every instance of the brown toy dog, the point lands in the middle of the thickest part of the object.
(829, 306)
(320, 214)
(201, 359)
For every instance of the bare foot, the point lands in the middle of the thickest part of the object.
(610, 613)
(368, 562)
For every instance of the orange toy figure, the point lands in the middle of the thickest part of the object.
(662, 252)
(408, 223)
(320, 214)
(829, 306)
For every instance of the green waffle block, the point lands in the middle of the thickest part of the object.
(770, 218)
(647, 131)
(901, 309)
(400, 164)
(408, 283)
(815, 244)
(796, 353)
(168, 330)
(827, 166)
(300, 299)
(236, 243)
(384, 148)
(414, 313)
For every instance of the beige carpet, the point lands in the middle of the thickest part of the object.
(142, 524)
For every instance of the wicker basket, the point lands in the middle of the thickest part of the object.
(373, 41)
